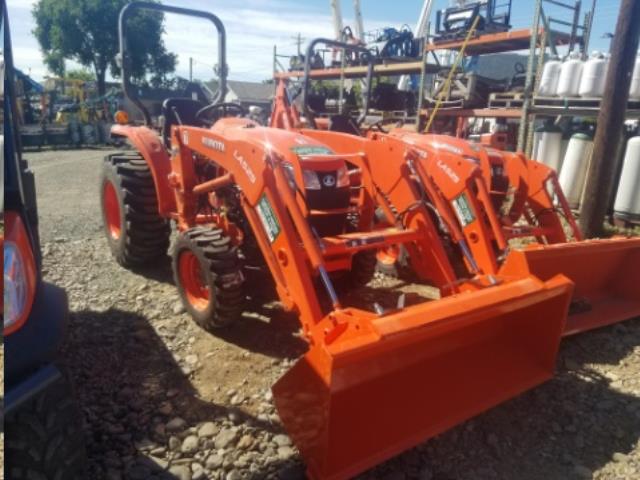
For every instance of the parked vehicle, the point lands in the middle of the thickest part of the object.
(43, 429)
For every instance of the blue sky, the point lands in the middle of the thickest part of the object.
(254, 26)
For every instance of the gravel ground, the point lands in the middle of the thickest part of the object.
(162, 399)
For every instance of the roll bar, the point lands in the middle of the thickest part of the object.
(130, 9)
(309, 113)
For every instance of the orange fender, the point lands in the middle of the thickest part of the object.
(149, 145)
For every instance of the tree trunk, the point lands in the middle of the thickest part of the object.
(100, 80)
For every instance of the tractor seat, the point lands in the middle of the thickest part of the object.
(343, 123)
(185, 109)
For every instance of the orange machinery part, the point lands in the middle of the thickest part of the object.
(400, 379)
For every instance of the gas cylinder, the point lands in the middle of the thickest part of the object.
(627, 204)
(536, 142)
(570, 74)
(550, 77)
(634, 90)
(593, 77)
(549, 147)
(574, 168)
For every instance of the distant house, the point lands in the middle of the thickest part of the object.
(250, 93)
(246, 93)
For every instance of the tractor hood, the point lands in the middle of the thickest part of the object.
(298, 150)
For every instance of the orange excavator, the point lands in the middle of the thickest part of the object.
(484, 199)
(240, 192)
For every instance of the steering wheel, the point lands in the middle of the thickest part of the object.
(224, 107)
(377, 126)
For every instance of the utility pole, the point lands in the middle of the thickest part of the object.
(190, 69)
(603, 168)
(299, 40)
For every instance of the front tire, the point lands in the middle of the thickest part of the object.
(136, 233)
(208, 274)
(44, 437)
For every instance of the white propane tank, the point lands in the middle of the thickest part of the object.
(550, 148)
(550, 77)
(537, 134)
(574, 168)
(593, 77)
(634, 90)
(564, 145)
(570, 73)
(627, 204)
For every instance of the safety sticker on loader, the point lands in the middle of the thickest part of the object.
(268, 218)
(310, 150)
(463, 210)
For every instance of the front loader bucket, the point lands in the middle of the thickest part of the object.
(606, 274)
(388, 383)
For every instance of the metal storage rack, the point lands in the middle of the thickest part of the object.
(545, 36)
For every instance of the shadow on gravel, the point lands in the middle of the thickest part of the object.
(123, 375)
(160, 271)
(275, 337)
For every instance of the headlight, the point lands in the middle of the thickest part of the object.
(19, 274)
(311, 180)
(343, 177)
(15, 286)
(290, 174)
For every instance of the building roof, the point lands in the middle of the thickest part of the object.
(251, 91)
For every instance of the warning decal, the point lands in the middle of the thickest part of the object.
(463, 210)
(268, 218)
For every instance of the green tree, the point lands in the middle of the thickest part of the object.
(80, 74)
(86, 31)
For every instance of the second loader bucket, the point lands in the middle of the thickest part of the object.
(389, 382)
(606, 274)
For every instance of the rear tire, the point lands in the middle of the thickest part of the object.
(136, 232)
(363, 263)
(44, 437)
(387, 261)
(363, 268)
(208, 275)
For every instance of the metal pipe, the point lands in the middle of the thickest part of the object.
(528, 87)
(488, 208)
(214, 184)
(560, 4)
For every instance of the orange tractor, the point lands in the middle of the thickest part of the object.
(242, 195)
(482, 198)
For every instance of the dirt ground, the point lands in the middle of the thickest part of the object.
(162, 399)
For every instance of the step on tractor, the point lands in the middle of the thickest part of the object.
(482, 199)
(247, 199)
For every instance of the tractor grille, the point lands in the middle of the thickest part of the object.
(329, 197)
